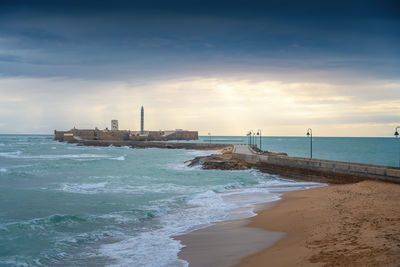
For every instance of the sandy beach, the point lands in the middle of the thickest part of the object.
(337, 225)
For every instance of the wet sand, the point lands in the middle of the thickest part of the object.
(337, 225)
(225, 243)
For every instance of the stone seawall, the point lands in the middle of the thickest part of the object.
(145, 144)
(350, 169)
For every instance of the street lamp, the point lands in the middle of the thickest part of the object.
(251, 132)
(249, 135)
(209, 134)
(254, 140)
(309, 133)
(396, 134)
(259, 134)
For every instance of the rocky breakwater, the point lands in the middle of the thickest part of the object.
(222, 161)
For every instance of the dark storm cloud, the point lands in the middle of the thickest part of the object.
(120, 38)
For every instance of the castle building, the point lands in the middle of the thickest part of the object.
(76, 135)
(114, 125)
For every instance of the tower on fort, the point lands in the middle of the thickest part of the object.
(142, 120)
(114, 125)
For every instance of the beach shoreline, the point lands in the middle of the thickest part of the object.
(336, 225)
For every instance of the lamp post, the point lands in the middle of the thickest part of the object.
(396, 134)
(251, 133)
(259, 134)
(209, 135)
(309, 133)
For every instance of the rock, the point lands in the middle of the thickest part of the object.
(219, 162)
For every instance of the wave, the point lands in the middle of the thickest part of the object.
(183, 167)
(119, 158)
(42, 223)
(12, 154)
(199, 210)
(106, 187)
(65, 156)
(199, 153)
(147, 249)
(85, 156)
(3, 170)
(157, 247)
(84, 188)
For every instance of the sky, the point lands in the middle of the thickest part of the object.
(219, 67)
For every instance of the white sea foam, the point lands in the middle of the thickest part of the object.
(147, 249)
(12, 154)
(85, 188)
(3, 170)
(118, 217)
(76, 148)
(200, 153)
(66, 156)
(119, 158)
(78, 157)
(159, 188)
(111, 187)
(157, 248)
(183, 167)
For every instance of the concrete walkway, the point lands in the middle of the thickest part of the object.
(242, 149)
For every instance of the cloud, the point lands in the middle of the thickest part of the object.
(220, 67)
(97, 40)
(221, 105)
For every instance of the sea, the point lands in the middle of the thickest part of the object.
(69, 205)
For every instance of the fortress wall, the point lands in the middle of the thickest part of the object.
(59, 135)
(84, 133)
(156, 136)
(112, 135)
(137, 138)
(183, 135)
(188, 135)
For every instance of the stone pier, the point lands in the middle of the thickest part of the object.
(281, 163)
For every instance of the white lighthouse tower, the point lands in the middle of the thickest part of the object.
(142, 120)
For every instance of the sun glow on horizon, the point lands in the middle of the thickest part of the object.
(223, 106)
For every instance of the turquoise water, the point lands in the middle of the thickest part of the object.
(382, 151)
(69, 205)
